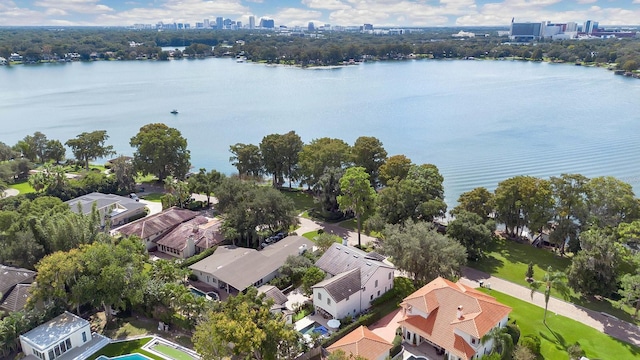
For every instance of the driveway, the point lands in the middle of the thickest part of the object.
(154, 207)
(307, 225)
(10, 192)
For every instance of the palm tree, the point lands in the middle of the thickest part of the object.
(502, 341)
(552, 280)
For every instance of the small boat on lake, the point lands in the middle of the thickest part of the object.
(174, 112)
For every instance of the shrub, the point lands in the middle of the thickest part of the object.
(532, 342)
(195, 258)
(514, 331)
(193, 277)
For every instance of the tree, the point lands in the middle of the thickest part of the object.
(125, 174)
(394, 169)
(90, 146)
(529, 274)
(594, 270)
(280, 156)
(523, 353)
(33, 147)
(478, 201)
(630, 65)
(551, 280)
(575, 351)
(630, 291)
(472, 232)
(325, 240)
(247, 158)
(312, 276)
(369, 153)
(357, 195)
(245, 327)
(327, 190)
(502, 341)
(54, 151)
(161, 151)
(205, 183)
(419, 196)
(6, 152)
(611, 202)
(320, 155)
(341, 355)
(420, 250)
(523, 202)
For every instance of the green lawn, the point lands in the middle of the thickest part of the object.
(171, 352)
(352, 225)
(155, 197)
(563, 332)
(301, 200)
(145, 179)
(311, 235)
(24, 187)
(124, 348)
(508, 260)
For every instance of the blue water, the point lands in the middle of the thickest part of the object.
(134, 356)
(480, 122)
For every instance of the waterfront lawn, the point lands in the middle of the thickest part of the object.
(301, 200)
(509, 260)
(23, 187)
(124, 348)
(563, 332)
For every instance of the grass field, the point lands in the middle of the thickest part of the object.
(171, 352)
(24, 187)
(155, 197)
(124, 348)
(509, 260)
(563, 332)
(301, 200)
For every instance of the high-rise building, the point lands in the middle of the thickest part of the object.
(311, 26)
(267, 23)
(219, 23)
(523, 32)
(571, 27)
(589, 27)
(252, 22)
(206, 23)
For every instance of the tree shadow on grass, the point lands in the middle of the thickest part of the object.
(488, 264)
(556, 338)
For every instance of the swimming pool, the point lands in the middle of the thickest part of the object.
(314, 327)
(133, 356)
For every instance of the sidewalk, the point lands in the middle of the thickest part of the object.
(607, 324)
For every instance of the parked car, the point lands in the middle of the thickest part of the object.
(134, 197)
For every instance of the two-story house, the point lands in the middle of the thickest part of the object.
(453, 318)
(354, 279)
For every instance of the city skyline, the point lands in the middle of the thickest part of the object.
(408, 13)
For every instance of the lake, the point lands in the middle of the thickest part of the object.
(480, 122)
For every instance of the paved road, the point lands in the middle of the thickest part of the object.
(307, 225)
(610, 325)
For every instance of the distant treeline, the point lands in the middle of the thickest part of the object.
(327, 48)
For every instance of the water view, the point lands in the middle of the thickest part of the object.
(480, 122)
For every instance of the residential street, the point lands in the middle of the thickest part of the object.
(307, 225)
(608, 324)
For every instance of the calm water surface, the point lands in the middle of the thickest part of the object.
(480, 122)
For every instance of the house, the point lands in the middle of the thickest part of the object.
(363, 342)
(354, 279)
(67, 336)
(113, 209)
(279, 301)
(15, 287)
(453, 318)
(233, 269)
(152, 227)
(191, 237)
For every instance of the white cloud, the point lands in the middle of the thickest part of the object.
(586, 1)
(75, 6)
(326, 4)
(296, 17)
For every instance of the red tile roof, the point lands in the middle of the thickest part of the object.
(440, 299)
(362, 342)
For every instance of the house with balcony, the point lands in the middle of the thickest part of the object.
(451, 317)
(354, 279)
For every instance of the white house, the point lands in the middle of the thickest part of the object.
(59, 337)
(354, 279)
(453, 318)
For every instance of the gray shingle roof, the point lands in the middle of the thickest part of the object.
(17, 298)
(242, 267)
(340, 258)
(10, 276)
(272, 292)
(342, 285)
(102, 200)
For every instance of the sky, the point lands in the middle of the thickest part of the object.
(408, 13)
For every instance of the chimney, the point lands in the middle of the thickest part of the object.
(459, 313)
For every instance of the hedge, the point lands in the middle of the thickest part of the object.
(195, 258)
